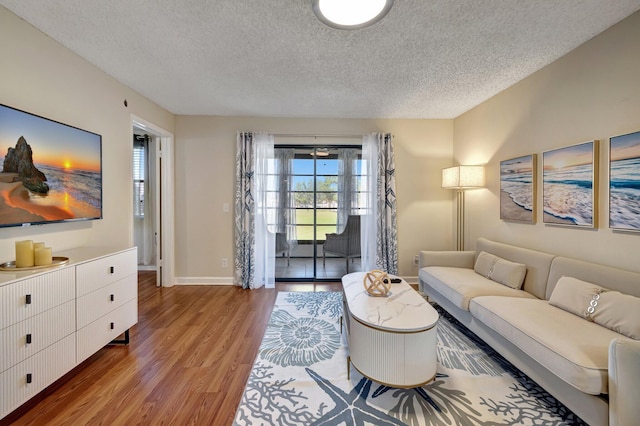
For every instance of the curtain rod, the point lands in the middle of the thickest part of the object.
(293, 135)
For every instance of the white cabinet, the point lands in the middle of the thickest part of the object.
(107, 300)
(101, 272)
(105, 329)
(24, 380)
(53, 319)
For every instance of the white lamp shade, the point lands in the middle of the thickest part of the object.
(461, 177)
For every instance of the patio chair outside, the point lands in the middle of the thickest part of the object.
(345, 244)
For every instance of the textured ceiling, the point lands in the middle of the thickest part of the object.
(426, 59)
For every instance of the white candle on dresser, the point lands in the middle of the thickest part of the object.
(43, 256)
(24, 254)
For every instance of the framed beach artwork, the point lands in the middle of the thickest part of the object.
(518, 189)
(624, 182)
(569, 185)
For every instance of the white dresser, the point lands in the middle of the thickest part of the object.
(53, 319)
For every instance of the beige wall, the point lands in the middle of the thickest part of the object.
(591, 93)
(205, 162)
(40, 76)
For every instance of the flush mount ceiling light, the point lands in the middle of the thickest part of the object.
(320, 152)
(351, 14)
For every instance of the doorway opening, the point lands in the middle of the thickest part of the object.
(321, 198)
(146, 231)
(153, 198)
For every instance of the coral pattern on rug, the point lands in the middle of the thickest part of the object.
(300, 378)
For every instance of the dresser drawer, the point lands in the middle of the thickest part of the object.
(94, 336)
(100, 302)
(32, 296)
(40, 370)
(28, 337)
(92, 275)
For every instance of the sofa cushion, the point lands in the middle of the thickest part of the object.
(460, 285)
(612, 309)
(573, 349)
(500, 270)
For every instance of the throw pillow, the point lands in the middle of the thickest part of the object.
(573, 295)
(611, 309)
(500, 270)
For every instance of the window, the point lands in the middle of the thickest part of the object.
(139, 168)
(318, 190)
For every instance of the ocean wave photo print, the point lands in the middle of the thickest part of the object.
(624, 182)
(518, 189)
(569, 191)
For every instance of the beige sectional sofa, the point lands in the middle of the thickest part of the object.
(592, 369)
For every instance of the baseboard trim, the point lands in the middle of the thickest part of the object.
(229, 280)
(204, 280)
(411, 280)
(147, 268)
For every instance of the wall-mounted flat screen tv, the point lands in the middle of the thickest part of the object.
(49, 171)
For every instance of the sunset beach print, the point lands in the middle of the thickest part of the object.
(517, 189)
(568, 192)
(70, 159)
(624, 182)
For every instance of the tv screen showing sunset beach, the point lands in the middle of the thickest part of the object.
(49, 171)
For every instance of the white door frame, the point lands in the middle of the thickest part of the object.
(167, 233)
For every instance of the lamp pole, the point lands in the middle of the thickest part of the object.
(460, 220)
(461, 178)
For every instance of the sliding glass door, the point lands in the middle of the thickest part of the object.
(320, 190)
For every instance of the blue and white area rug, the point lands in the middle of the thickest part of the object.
(300, 378)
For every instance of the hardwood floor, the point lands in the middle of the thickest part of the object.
(188, 361)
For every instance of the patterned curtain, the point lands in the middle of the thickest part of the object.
(244, 211)
(387, 252)
(379, 236)
(254, 264)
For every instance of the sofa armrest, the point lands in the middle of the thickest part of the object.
(456, 259)
(624, 376)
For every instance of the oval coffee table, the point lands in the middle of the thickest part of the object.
(392, 340)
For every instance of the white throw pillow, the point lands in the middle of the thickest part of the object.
(611, 309)
(500, 270)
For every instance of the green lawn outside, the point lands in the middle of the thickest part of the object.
(326, 223)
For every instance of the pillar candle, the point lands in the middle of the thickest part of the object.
(38, 245)
(43, 256)
(24, 254)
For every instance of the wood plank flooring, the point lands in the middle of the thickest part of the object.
(188, 361)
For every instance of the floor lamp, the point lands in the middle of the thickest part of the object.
(461, 178)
